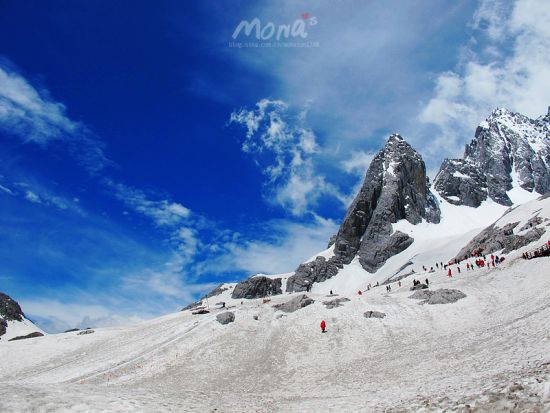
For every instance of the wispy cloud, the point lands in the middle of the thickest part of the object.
(358, 163)
(31, 115)
(162, 212)
(505, 64)
(284, 148)
(279, 249)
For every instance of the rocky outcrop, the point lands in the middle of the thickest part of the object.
(461, 183)
(295, 304)
(10, 309)
(85, 332)
(31, 335)
(374, 314)
(192, 305)
(494, 238)
(337, 302)
(225, 318)
(216, 291)
(383, 248)
(442, 296)
(396, 187)
(317, 270)
(420, 286)
(257, 287)
(506, 145)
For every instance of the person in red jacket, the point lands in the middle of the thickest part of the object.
(323, 326)
(449, 273)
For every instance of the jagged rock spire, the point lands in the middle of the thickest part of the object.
(507, 146)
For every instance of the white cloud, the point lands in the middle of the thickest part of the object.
(288, 244)
(284, 147)
(33, 116)
(358, 163)
(489, 76)
(163, 212)
(30, 114)
(32, 197)
(65, 315)
(6, 190)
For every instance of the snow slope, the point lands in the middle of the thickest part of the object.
(489, 351)
(19, 328)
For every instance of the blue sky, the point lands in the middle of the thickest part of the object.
(144, 158)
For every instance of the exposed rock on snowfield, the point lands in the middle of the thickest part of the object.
(318, 270)
(337, 302)
(85, 332)
(507, 147)
(3, 326)
(420, 286)
(494, 239)
(441, 296)
(225, 318)
(192, 305)
(374, 314)
(31, 335)
(216, 291)
(395, 188)
(294, 304)
(257, 287)
(10, 309)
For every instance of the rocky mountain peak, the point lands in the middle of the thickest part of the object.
(395, 187)
(10, 309)
(508, 149)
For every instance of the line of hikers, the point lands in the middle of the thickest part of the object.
(543, 251)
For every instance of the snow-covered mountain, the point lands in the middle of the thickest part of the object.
(485, 350)
(471, 337)
(13, 322)
(509, 151)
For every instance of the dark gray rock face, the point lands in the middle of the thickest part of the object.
(337, 302)
(460, 183)
(225, 318)
(31, 335)
(294, 304)
(318, 270)
(373, 258)
(442, 296)
(10, 309)
(85, 332)
(395, 188)
(257, 287)
(505, 143)
(374, 314)
(494, 238)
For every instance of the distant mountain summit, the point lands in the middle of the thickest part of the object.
(396, 187)
(509, 155)
(9, 311)
(13, 322)
(509, 149)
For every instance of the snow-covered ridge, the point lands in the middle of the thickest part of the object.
(510, 152)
